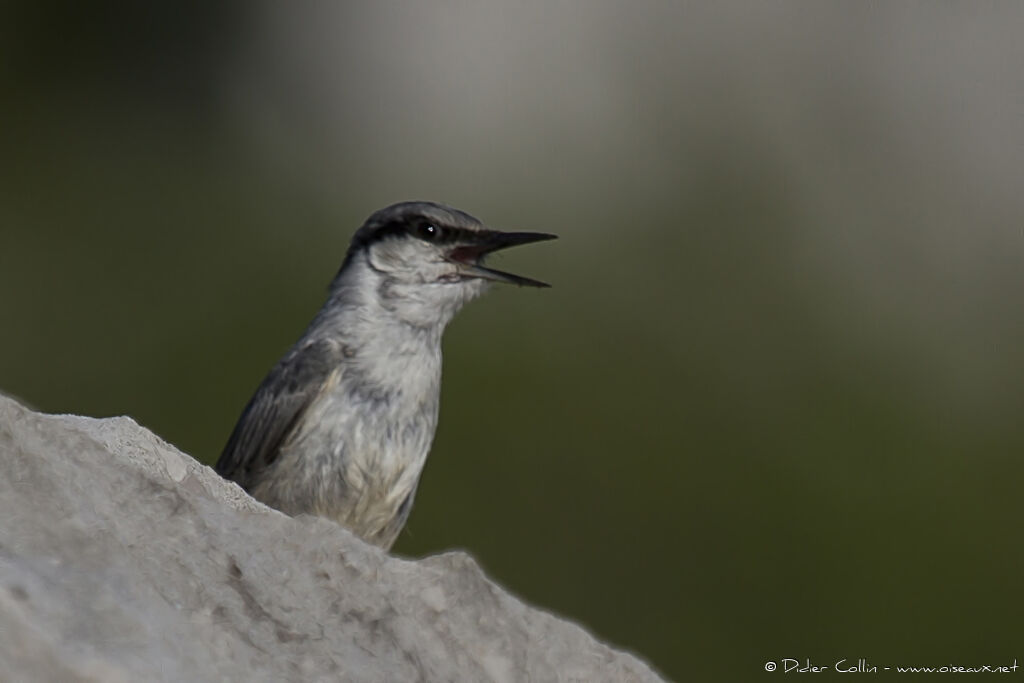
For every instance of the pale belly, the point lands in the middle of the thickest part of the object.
(355, 461)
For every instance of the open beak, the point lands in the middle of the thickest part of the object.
(469, 257)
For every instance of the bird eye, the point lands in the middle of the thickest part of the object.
(428, 232)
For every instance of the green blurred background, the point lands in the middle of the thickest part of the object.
(771, 407)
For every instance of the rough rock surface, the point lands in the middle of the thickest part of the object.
(122, 559)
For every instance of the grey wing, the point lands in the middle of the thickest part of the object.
(274, 410)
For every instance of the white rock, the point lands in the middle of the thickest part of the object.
(122, 559)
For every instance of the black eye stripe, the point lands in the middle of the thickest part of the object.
(443, 235)
(386, 231)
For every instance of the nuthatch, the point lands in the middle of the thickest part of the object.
(342, 425)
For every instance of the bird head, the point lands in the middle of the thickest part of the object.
(428, 259)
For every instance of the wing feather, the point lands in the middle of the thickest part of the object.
(274, 410)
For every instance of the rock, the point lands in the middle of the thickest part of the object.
(122, 559)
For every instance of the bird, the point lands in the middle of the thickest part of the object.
(342, 424)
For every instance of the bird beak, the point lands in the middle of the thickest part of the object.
(469, 257)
